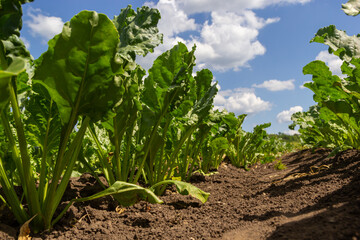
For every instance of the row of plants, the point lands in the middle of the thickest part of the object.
(334, 122)
(85, 106)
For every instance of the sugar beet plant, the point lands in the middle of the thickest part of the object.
(334, 121)
(154, 121)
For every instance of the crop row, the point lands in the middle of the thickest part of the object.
(86, 106)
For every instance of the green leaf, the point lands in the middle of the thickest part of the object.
(166, 83)
(10, 25)
(203, 81)
(138, 31)
(344, 46)
(127, 194)
(185, 188)
(16, 67)
(79, 67)
(203, 106)
(352, 7)
(219, 144)
(205, 94)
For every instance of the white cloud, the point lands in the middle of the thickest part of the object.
(285, 116)
(173, 20)
(230, 41)
(43, 26)
(240, 100)
(227, 40)
(333, 62)
(276, 85)
(194, 6)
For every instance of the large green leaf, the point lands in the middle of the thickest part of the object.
(352, 7)
(138, 31)
(324, 85)
(344, 46)
(185, 188)
(166, 83)
(79, 67)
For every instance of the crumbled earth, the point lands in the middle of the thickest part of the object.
(315, 197)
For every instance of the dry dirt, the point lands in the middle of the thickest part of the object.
(315, 197)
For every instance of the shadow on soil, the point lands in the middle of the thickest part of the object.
(338, 206)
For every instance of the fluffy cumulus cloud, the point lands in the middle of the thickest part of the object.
(240, 100)
(45, 27)
(285, 116)
(228, 40)
(333, 62)
(276, 85)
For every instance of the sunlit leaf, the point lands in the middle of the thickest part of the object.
(344, 46)
(352, 7)
(79, 67)
(185, 188)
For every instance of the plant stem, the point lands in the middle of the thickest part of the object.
(31, 196)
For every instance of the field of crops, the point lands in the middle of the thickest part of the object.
(301, 202)
(141, 138)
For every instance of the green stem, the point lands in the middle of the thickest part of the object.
(70, 159)
(31, 196)
(43, 180)
(117, 142)
(128, 160)
(15, 151)
(106, 166)
(11, 196)
(153, 133)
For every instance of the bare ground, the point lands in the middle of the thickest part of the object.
(315, 197)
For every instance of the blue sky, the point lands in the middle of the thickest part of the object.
(256, 49)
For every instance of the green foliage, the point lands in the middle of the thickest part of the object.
(79, 80)
(89, 107)
(247, 148)
(334, 121)
(138, 31)
(339, 42)
(155, 123)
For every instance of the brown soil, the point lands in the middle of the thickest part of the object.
(314, 198)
